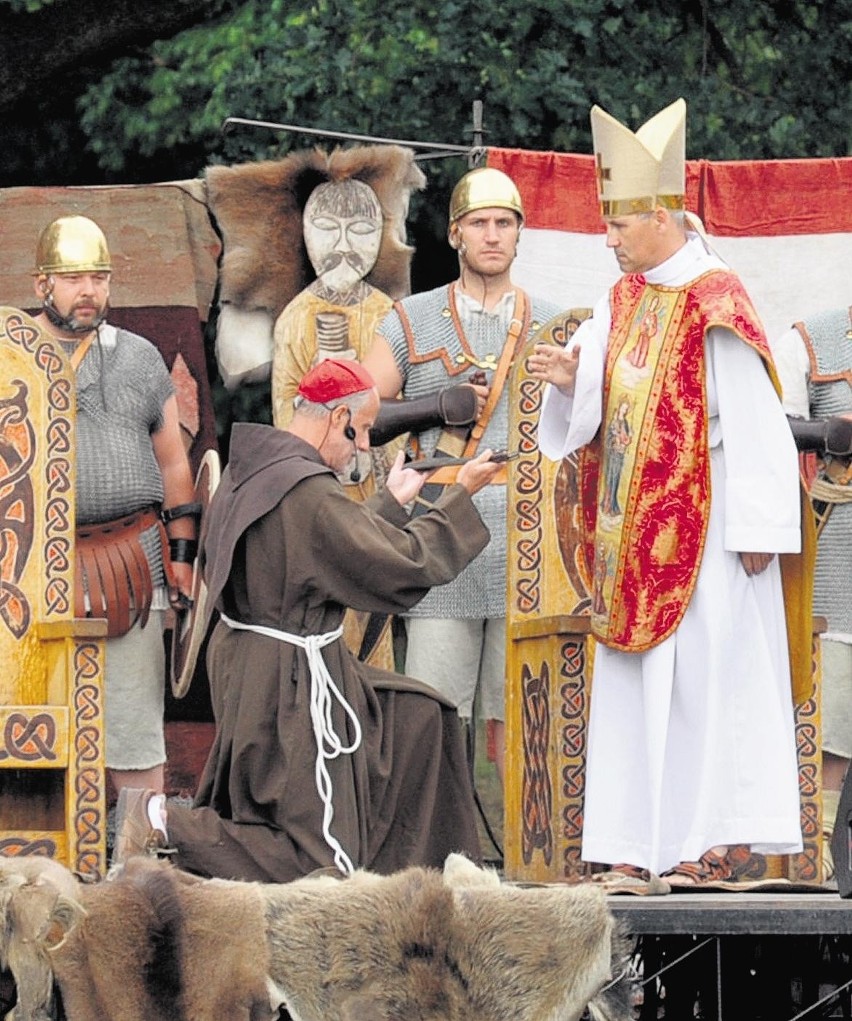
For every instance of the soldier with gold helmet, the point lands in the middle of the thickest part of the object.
(135, 510)
(467, 332)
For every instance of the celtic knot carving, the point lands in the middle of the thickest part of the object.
(59, 395)
(90, 864)
(808, 780)
(20, 332)
(529, 396)
(17, 506)
(89, 786)
(88, 823)
(29, 738)
(528, 476)
(810, 818)
(18, 846)
(57, 519)
(807, 740)
(536, 794)
(56, 596)
(48, 359)
(86, 744)
(529, 555)
(528, 594)
(528, 514)
(59, 550)
(86, 663)
(572, 820)
(574, 772)
(806, 710)
(573, 655)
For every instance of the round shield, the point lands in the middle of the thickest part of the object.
(189, 632)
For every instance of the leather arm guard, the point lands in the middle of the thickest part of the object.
(456, 405)
(825, 436)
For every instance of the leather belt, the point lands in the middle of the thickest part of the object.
(113, 578)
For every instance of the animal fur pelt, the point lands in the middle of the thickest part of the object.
(154, 944)
(420, 945)
(258, 208)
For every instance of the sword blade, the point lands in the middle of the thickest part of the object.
(428, 464)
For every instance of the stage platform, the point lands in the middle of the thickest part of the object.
(751, 956)
(819, 913)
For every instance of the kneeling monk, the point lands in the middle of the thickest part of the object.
(318, 759)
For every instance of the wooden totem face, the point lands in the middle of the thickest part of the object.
(343, 231)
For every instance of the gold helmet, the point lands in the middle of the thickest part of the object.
(484, 188)
(72, 244)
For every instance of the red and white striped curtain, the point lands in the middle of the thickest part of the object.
(785, 226)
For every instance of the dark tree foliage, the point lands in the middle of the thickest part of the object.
(139, 91)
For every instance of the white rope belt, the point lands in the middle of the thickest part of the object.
(324, 692)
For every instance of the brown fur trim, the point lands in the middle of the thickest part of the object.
(258, 208)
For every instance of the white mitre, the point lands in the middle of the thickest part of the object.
(639, 171)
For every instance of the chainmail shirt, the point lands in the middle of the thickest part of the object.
(480, 590)
(829, 346)
(122, 385)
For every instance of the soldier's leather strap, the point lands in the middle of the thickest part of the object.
(512, 346)
(79, 352)
(112, 578)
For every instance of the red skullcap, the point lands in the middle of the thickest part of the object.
(332, 379)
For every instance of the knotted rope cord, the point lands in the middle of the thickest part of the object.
(830, 492)
(324, 692)
(824, 495)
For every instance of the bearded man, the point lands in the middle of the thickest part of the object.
(134, 487)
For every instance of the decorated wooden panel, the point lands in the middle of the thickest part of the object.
(51, 721)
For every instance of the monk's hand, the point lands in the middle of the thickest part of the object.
(404, 483)
(478, 472)
(756, 563)
(556, 365)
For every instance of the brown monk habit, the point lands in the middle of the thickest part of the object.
(287, 549)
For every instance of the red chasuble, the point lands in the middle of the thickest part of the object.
(645, 477)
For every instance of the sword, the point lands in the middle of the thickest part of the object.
(428, 464)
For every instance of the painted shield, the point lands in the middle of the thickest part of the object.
(189, 631)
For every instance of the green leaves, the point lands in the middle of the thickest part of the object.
(412, 70)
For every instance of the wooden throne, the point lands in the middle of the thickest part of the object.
(52, 773)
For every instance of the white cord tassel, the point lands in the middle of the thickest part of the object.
(324, 692)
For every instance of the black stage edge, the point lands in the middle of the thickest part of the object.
(751, 956)
(735, 914)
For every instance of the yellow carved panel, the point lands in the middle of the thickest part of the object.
(52, 771)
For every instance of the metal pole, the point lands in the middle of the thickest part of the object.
(477, 153)
(447, 149)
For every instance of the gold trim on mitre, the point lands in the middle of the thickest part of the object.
(636, 172)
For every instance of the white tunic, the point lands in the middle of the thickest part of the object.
(691, 744)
